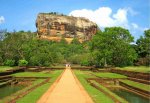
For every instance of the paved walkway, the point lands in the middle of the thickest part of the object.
(66, 90)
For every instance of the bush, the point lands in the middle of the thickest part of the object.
(9, 62)
(23, 62)
(85, 63)
(40, 60)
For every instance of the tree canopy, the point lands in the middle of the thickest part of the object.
(143, 48)
(112, 47)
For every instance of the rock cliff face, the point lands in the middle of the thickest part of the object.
(54, 25)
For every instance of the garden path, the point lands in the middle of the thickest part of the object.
(67, 89)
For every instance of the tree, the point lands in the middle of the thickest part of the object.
(112, 47)
(143, 48)
(12, 45)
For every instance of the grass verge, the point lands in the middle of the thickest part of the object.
(32, 74)
(110, 75)
(137, 85)
(96, 95)
(5, 68)
(143, 69)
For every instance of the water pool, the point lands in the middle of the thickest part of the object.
(130, 97)
(9, 89)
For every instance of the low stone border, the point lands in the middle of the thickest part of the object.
(4, 77)
(9, 72)
(144, 76)
(6, 83)
(106, 93)
(28, 91)
(82, 68)
(140, 80)
(39, 68)
(31, 77)
(134, 89)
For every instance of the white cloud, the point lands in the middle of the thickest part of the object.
(120, 18)
(121, 15)
(103, 16)
(2, 19)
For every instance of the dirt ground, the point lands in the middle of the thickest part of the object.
(66, 89)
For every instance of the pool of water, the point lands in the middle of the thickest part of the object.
(9, 89)
(130, 97)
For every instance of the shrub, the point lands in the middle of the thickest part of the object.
(23, 62)
(85, 63)
(9, 62)
(40, 60)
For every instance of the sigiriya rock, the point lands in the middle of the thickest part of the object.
(55, 26)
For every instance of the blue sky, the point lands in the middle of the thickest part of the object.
(131, 14)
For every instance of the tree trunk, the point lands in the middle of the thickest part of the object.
(105, 63)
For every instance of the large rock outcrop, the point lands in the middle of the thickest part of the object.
(50, 25)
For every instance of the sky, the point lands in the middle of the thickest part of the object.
(133, 15)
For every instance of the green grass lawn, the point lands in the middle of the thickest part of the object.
(5, 68)
(96, 95)
(109, 75)
(33, 96)
(144, 69)
(137, 85)
(32, 74)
